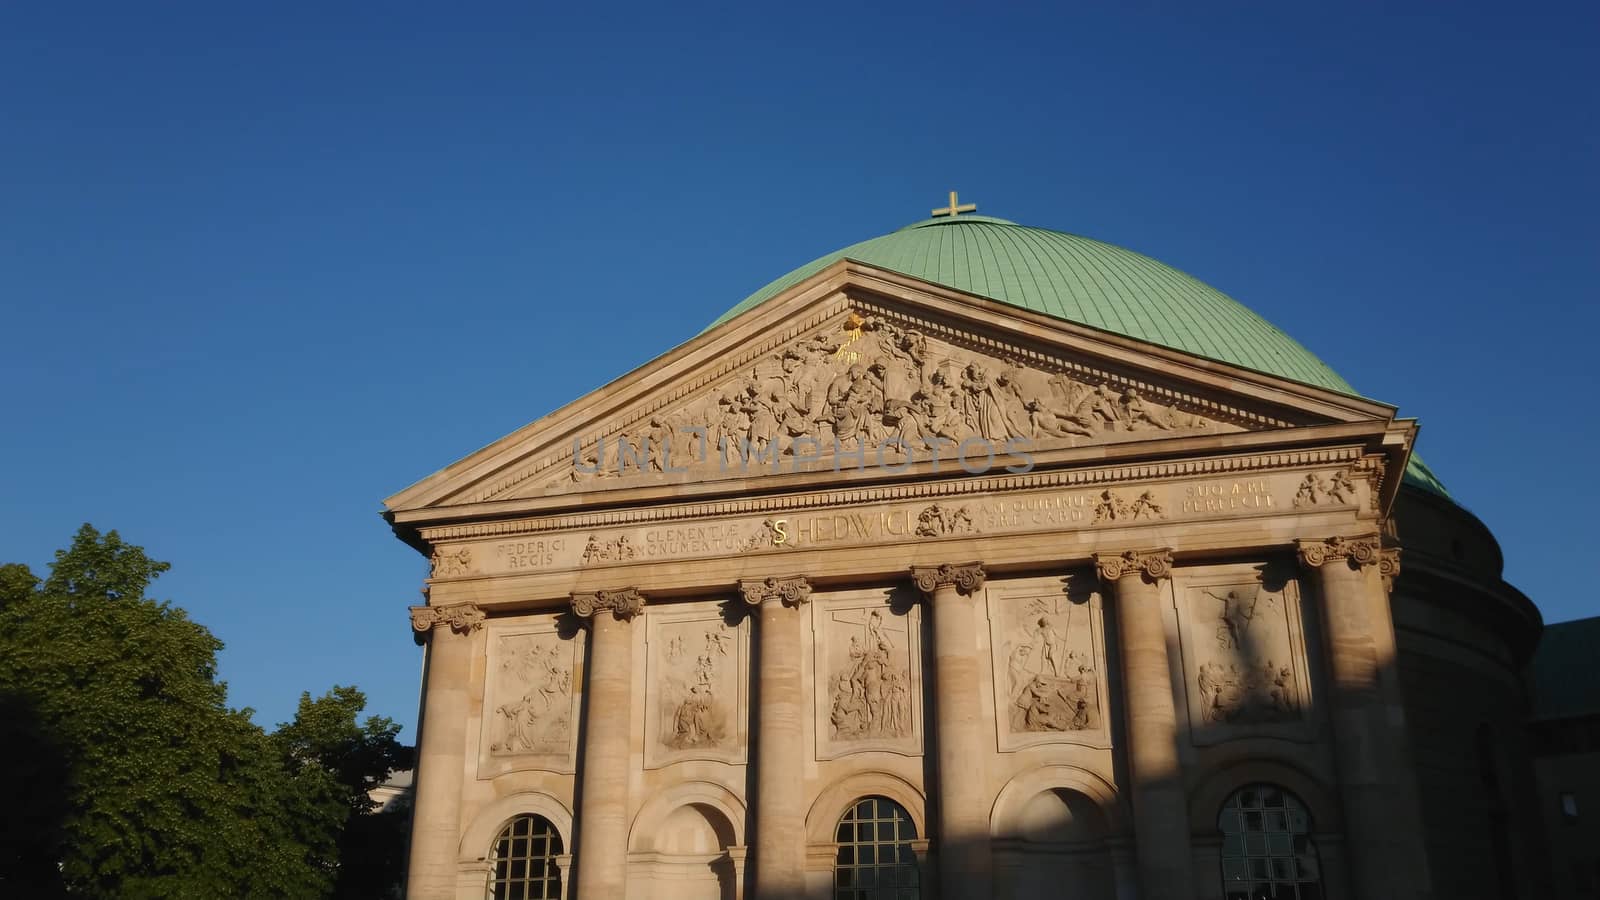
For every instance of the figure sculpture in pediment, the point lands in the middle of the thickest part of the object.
(986, 414)
(1139, 413)
(1104, 407)
(1048, 422)
(943, 408)
(874, 385)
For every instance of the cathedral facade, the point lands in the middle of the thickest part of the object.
(975, 560)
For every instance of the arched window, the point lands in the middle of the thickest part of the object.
(1267, 853)
(525, 861)
(876, 860)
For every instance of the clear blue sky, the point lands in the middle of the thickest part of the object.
(263, 265)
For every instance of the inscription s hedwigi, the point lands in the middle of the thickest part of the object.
(924, 520)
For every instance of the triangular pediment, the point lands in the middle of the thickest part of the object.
(858, 373)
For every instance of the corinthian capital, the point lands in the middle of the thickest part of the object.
(791, 590)
(624, 604)
(1389, 566)
(462, 618)
(966, 577)
(1152, 565)
(1358, 551)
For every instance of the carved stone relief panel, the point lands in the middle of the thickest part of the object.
(1049, 662)
(868, 669)
(1244, 653)
(531, 698)
(882, 390)
(697, 675)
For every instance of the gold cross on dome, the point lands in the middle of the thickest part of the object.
(954, 209)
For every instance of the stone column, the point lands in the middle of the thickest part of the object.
(963, 851)
(602, 822)
(1376, 783)
(780, 845)
(1160, 811)
(442, 748)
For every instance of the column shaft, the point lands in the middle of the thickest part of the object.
(1382, 823)
(602, 822)
(963, 849)
(441, 752)
(1160, 811)
(780, 844)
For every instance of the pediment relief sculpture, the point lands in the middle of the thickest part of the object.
(875, 391)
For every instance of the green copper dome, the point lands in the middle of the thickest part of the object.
(1089, 282)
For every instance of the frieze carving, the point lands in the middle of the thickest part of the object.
(1153, 565)
(1248, 476)
(450, 563)
(1358, 552)
(535, 675)
(1110, 507)
(941, 521)
(967, 578)
(770, 534)
(616, 549)
(624, 604)
(879, 392)
(1389, 566)
(1338, 489)
(462, 618)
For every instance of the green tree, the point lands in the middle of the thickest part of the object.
(325, 737)
(135, 778)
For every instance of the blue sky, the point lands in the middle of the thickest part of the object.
(261, 267)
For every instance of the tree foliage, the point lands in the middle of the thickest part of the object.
(137, 780)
